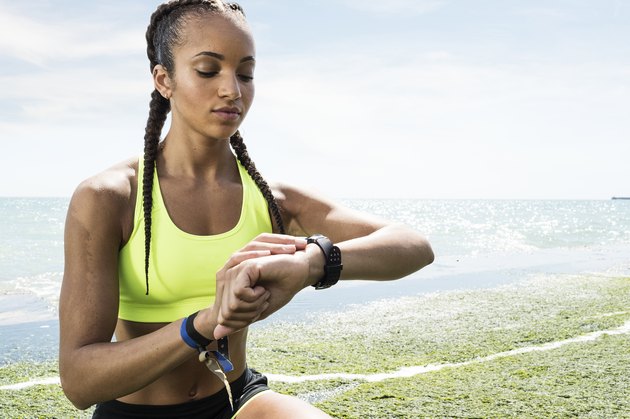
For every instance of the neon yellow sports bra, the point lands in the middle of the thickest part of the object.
(183, 266)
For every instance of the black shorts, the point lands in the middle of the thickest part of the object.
(244, 388)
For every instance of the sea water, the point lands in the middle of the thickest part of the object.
(478, 243)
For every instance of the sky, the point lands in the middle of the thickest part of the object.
(428, 99)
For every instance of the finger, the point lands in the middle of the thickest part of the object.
(238, 324)
(241, 320)
(242, 256)
(247, 275)
(241, 310)
(238, 320)
(275, 238)
(274, 248)
(299, 242)
(222, 331)
(266, 313)
(236, 305)
(263, 308)
(250, 295)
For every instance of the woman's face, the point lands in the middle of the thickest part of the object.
(212, 86)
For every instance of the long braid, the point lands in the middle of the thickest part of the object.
(243, 156)
(163, 33)
(158, 109)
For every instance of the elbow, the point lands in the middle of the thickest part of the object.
(417, 252)
(74, 390)
(75, 397)
(426, 253)
(417, 255)
(421, 253)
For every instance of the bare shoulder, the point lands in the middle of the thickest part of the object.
(307, 212)
(108, 194)
(294, 199)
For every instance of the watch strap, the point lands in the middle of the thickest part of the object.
(332, 265)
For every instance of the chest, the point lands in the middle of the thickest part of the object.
(202, 209)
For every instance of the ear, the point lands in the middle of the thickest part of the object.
(162, 81)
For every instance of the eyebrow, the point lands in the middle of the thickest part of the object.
(222, 57)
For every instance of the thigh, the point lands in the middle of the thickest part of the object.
(278, 406)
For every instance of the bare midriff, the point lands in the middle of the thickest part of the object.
(191, 380)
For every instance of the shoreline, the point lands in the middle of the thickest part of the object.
(476, 346)
(24, 315)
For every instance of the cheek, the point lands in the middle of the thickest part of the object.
(247, 93)
(193, 95)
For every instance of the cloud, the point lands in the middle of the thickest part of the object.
(72, 94)
(480, 128)
(424, 117)
(563, 14)
(41, 43)
(414, 7)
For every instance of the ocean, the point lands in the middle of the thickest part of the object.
(478, 243)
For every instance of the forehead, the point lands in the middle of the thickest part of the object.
(217, 33)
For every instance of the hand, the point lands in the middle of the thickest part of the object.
(284, 276)
(239, 300)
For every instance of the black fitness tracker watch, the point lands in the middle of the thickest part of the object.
(333, 265)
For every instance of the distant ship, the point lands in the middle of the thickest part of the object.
(621, 197)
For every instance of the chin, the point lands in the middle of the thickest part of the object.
(222, 132)
(225, 135)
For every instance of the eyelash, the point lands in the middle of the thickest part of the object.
(210, 74)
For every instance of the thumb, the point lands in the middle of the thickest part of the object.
(222, 331)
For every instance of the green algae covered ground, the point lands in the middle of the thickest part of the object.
(465, 329)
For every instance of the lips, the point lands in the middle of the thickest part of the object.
(228, 110)
(227, 113)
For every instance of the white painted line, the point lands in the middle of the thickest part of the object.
(416, 370)
(401, 373)
(41, 382)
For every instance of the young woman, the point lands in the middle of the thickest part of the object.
(178, 252)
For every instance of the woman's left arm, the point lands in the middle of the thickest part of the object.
(371, 248)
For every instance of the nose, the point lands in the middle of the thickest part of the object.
(229, 87)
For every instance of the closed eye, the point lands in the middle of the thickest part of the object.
(207, 74)
(245, 77)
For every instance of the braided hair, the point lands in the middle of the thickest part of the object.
(165, 32)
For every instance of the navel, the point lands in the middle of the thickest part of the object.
(193, 392)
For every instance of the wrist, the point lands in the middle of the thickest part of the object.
(316, 262)
(332, 261)
(205, 322)
(191, 336)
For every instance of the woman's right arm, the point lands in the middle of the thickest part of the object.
(92, 368)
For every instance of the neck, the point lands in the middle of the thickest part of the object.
(198, 158)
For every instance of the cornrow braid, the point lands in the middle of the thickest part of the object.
(236, 8)
(236, 141)
(158, 109)
(164, 32)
